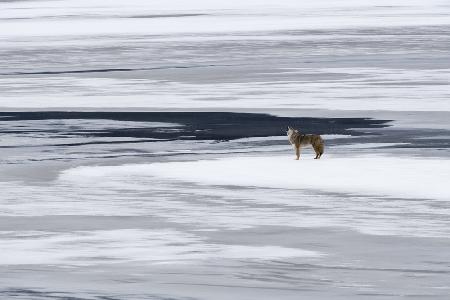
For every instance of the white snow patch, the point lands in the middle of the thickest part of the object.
(370, 175)
(100, 17)
(368, 145)
(124, 245)
(355, 94)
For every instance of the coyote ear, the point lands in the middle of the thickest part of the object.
(289, 127)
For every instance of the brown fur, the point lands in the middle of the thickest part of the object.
(298, 140)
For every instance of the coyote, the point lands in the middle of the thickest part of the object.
(297, 140)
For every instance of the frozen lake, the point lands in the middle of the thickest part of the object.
(144, 156)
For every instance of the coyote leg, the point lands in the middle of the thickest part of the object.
(321, 151)
(317, 153)
(297, 152)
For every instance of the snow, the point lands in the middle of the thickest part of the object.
(149, 246)
(413, 178)
(367, 89)
(350, 69)
(249, 227)
(50, 18)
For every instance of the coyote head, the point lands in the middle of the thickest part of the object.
(290, 131)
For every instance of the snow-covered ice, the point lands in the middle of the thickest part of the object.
(370, 175)
(98, 207)
(145, 246)
(344, 55)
